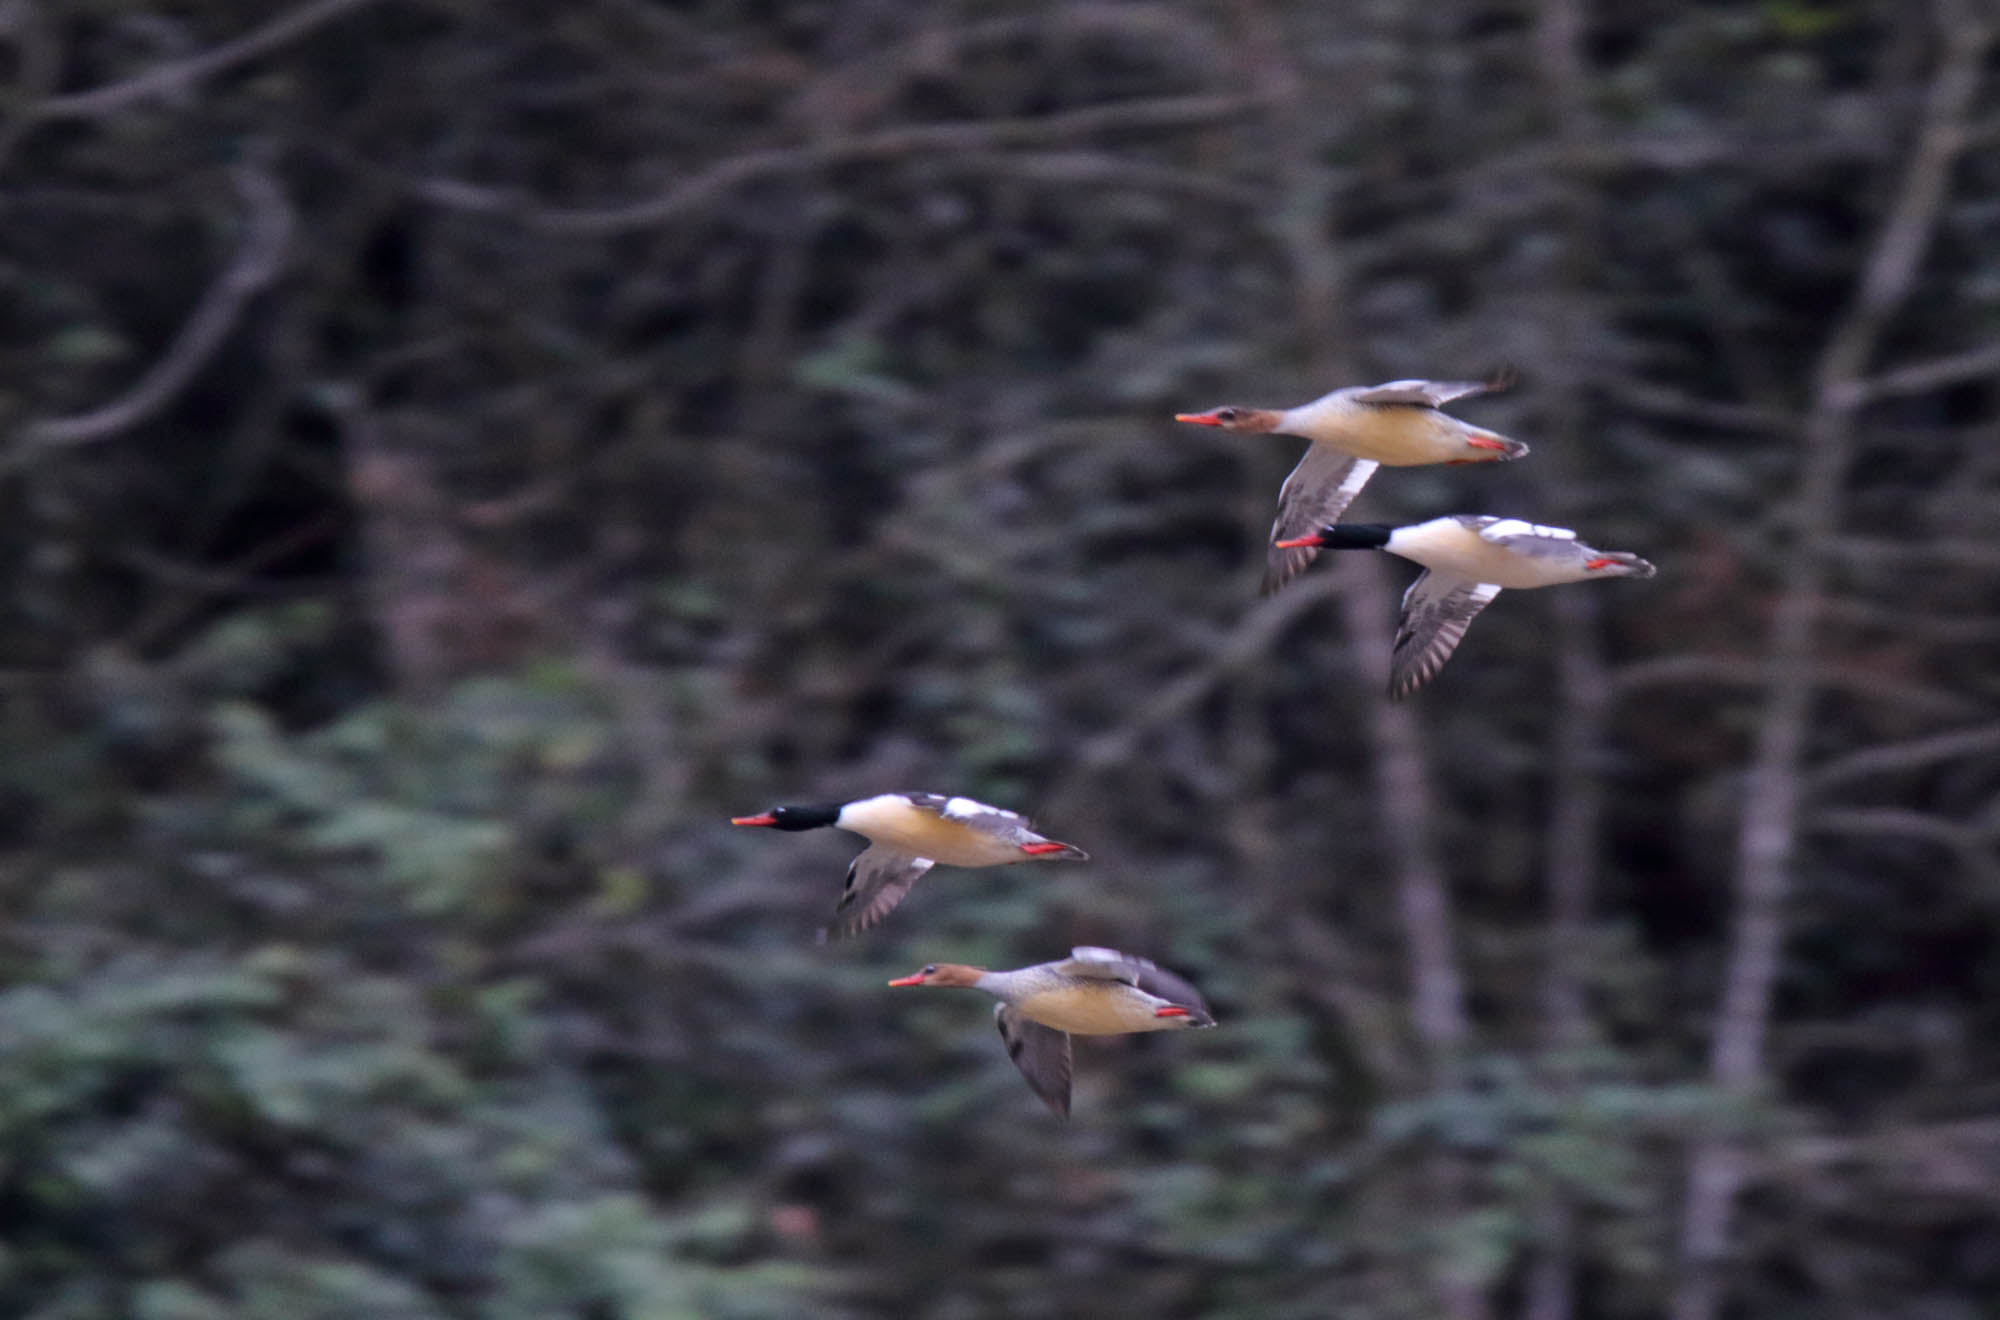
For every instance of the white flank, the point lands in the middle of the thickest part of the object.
(1516, 527)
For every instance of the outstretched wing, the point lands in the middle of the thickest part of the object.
(1436, 612)
(1427, 393)
(1142, 973)
(877, 880)
(1041, 1053)
(1319, 490)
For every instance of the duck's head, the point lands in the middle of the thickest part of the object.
(1234, 417)
(1342, 536)
(943, 974)
(810, 817)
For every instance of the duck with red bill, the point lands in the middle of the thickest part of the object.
(1468, 559)
(1093, 992)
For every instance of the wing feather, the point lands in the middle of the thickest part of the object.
(1426, 393)
(1140, 973)
(1319, 490)
(1041, 1053)
(1436, 612)
(877, 880)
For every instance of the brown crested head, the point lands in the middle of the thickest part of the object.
(1234, 417)
(942, 974)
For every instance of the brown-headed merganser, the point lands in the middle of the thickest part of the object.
(1353, 432)
(1093, 992)
(1467, 559)
(909, 833)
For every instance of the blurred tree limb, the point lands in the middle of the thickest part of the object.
(179, 75)
(716, 183)
(267, 232)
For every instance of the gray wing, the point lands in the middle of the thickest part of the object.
(1426, 393)
(1560, 544)
(877, 880)
(1319, 490)
(1436, 613)
(1041, 1053)
(1007, 826)
(1530, 540)
(1142, 973)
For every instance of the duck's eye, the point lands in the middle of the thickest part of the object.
(1225, 415)
(930, 970)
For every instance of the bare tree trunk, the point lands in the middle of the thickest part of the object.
(1768, 830)
(1577, 806)
(1402, 785)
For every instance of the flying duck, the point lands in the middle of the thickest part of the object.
(1468, 559)
(1353, 432)
(1093, 992)
(908, 834)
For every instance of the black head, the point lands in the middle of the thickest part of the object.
(810, 817)
(1345, 536)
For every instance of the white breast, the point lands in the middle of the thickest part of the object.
(894, 821)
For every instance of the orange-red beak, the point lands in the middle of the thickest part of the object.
(914, 978)
(1199, 419)
(1298, 542)
(766, 819)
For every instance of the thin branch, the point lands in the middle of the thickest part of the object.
(268, 223)
(1738, 671)
(1950, 1158)
(1096, 170)
(1673, 405)
(181, 74)
(1980, 555)
(1943, 629)
(1903, 757)
(1972, 847)
(1892, 822)
(1940, 374)
(716, 184)
(1249, 641)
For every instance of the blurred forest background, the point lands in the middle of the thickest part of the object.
(457, 454)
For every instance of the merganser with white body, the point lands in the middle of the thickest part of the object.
(1093, 992)
(1468, 559)
(909, 833)
(1353, 432)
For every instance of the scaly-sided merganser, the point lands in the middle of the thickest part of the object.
(908, 834)
(1467, 559)
(1093, 992)
(1353, 432)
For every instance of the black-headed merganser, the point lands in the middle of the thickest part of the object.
(909, 833)
(1468, 559)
